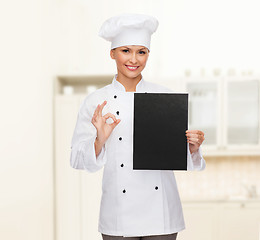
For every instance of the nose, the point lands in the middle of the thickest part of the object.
(133, 59)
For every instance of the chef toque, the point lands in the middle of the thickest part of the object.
(129, 29)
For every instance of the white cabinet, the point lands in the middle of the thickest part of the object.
(227, 111)
(67, 181)
(240, 221)
(204, 109)
(242, 112)
(77, 193)
(200, 221)
(221, 220)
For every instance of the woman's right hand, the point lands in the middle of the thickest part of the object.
(103, 129)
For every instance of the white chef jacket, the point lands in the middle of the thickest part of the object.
(134, 202)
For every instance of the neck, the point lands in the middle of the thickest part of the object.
(129, 83)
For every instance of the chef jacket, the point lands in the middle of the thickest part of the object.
(133, 202)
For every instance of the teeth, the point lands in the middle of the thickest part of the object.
(132, 67)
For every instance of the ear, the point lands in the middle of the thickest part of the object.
(112, 53)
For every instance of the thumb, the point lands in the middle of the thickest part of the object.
(115, 123)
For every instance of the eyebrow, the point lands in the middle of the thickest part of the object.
(138, 49)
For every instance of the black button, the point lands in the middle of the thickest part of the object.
(115, 96)
(117, 112)
(156, 188)
(124, 191)
(122, 165)
(120, 138)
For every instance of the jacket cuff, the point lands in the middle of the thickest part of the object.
(83, 156)
(195, 160)
(101, 158)
(92, 162)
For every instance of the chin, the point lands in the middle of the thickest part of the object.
(133, 74)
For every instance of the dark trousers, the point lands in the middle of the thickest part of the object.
(172, 236)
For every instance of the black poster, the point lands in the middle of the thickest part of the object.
(160, 124)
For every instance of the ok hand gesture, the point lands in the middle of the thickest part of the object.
(103, 129)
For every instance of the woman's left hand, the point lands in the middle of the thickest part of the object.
(195, 138)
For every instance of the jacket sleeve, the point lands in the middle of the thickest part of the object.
(195, 161)
(83, 154)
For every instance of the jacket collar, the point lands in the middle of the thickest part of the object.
(120, 87)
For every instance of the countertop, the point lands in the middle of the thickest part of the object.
(222, 200)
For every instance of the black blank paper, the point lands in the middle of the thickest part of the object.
(160, 124)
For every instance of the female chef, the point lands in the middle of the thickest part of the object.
(135, 204)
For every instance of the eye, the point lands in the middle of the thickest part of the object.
(142, 52)
(125, 50)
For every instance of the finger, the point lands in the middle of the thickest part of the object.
(114, 124)
(199, 132)
(195, 132)
(191, 134)
(101, 108)
(194, 136)
(200, 138)
(94, 117)
(96, 111)
(108, 115)
(194, 143)
(194, 140)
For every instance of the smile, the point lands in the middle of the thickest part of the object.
(132, 68)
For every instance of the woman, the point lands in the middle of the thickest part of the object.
(135, 204)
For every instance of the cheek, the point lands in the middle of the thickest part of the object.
(144, 61)
(121, 59)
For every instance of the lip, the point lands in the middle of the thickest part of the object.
(132, 66)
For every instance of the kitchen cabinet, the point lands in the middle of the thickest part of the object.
(221, 220)
(242, 110)
(240, 220)
(200, 221)
(67, 181)
(77, 193)
(227, 111)
(204, 110)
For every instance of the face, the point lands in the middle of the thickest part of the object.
(130, 60)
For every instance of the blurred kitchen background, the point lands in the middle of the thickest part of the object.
(51, 57)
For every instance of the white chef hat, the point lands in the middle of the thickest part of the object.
(129, 29)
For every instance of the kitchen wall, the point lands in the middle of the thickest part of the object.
(28, 60)
(43, 39)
